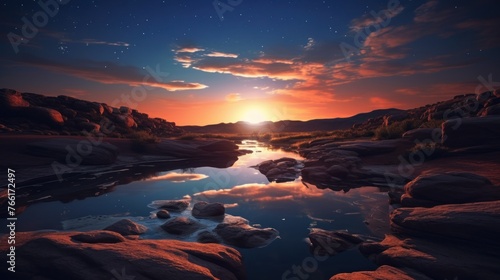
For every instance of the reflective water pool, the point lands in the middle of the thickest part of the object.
(292, 208)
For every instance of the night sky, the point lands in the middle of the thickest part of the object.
(204, 61)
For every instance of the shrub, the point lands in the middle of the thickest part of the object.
(141, 141)
(396, 130)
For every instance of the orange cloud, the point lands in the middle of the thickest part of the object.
(188, 50)
(233, 97)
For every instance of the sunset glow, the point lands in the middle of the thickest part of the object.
(255, 115)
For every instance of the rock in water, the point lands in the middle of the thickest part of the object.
(127, 227)
(332, 242)
(181, 226)
(57, 255)
(204, 209)
(236, 231)
(208, 237)
(163, 214)
(171, 205)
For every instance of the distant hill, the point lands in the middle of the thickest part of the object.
(290, 125)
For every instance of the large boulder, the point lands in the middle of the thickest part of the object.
(467, 132)
(11, 100)
(127, 121)
(58, 255)
(447, 188)
(384, 272)
(44, 115)
(127, 227)
(237, 232)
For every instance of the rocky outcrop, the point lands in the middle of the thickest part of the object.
(237, 232)
(63, 255)
(437, 259)
(448, 188)
(47, 116)
(325, 242)
(64, 115)
(384, 272)
(204, 209)
(127, 227)
(467, 132)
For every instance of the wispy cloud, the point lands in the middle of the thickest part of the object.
(96, 42)
(221, 54)
(105, 72)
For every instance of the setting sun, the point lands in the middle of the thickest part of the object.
(255, 115)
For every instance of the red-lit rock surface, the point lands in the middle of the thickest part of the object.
(105, 254)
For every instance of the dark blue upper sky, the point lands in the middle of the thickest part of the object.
(232, 60)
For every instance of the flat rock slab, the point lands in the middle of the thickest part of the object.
(74, 151)
(384, 272)
(475, 222)
(57, 255)
(449, 188)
